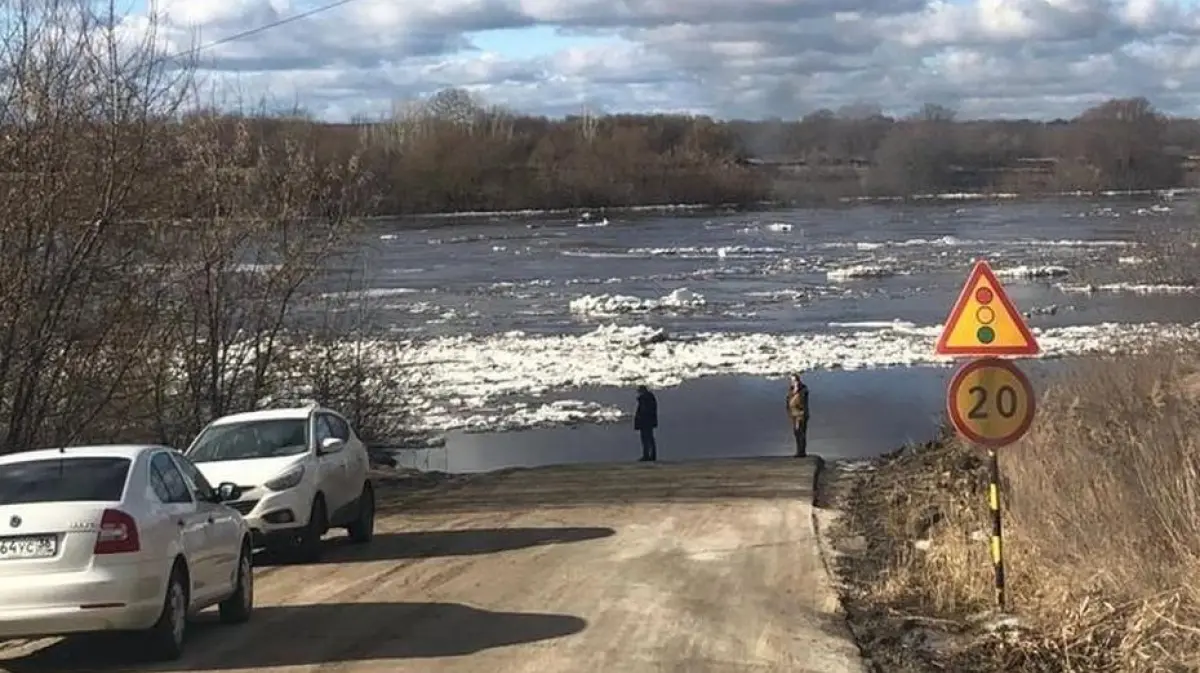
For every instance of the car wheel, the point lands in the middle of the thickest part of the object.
(237, 608)
(363, 528)
(310, 539)
(168, 633)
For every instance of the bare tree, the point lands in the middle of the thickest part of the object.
(1123, 140)
(932, 112)
(457, 106)
(151, 249)
(267, 216)
(83, 107)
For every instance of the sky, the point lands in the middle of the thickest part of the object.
(727, 58)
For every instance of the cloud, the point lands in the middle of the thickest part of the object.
(754, 58)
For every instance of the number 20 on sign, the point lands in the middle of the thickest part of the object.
(990, 402)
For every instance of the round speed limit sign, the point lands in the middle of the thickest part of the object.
(990, 402)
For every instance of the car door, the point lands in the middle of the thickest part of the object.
(224, 532)
(357, 461)
(172, 491)
(331, 467)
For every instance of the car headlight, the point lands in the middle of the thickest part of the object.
(286, 480)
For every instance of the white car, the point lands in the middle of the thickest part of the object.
(302, 471)
(117, 538)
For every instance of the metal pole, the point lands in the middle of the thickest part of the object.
(996, 543)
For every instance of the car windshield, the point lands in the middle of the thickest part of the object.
(67, 479)
(251, 439)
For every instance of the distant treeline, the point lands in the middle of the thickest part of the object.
(451, 153)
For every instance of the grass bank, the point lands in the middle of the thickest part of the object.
(1102, 535)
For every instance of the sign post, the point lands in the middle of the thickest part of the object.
(990, 402)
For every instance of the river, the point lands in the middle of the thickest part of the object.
(512, 322)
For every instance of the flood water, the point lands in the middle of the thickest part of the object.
(758, 272)
(496, 317)
(855, 414)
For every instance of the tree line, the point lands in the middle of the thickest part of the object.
(451, 152)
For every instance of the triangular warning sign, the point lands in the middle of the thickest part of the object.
(984, 321)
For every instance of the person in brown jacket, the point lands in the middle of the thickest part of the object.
(797, 405)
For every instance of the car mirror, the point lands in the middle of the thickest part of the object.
(331, 445)
(228, 491)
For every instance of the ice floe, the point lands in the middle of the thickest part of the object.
(1033, 272)
(486, 382)
(859, 272)
(1131, 288)
(524, 415)
(616, 304)
(373, 293)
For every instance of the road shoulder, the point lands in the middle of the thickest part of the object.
(894, 631)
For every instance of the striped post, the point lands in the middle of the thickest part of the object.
(996, 542)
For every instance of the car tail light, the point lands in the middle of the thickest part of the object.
(118, 534)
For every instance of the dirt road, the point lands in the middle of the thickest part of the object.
(688, 568)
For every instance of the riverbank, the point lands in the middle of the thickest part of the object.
(1101, 535)
(585, 213)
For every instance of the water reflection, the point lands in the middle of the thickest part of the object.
(855, 414)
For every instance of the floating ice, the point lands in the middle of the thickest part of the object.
(897, 324)
(471, 381)
(860, 271)
(256, 268)
(1132, 288)
(779, 226)
(1033, 272)
(692, 251)
(520, 416)
(779, 295)
(616, 304)
(1052, 309)
(371, 293)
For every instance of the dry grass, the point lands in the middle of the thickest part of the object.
(1102, 527)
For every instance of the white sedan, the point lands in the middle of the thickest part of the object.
(117, 538)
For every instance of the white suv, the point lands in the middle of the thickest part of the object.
(301, 471)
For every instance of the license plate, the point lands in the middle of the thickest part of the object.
(33, 546)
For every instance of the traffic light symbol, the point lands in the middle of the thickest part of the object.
(985, 315)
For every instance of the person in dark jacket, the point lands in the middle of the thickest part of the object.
(645, 420)
(797, 406)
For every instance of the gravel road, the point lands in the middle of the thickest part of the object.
(685, 567)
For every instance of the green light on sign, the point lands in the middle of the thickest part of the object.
(985, 334)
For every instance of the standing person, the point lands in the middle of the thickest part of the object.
(645, 419)
(797, 405)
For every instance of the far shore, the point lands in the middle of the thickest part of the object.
(845, 201)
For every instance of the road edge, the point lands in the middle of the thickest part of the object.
(825, 514)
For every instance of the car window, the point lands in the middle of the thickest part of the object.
(339, 427)
(268, 438)
(67, 479)
(177, 490)
(194, 478)
(160, 489)
(324, 430)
